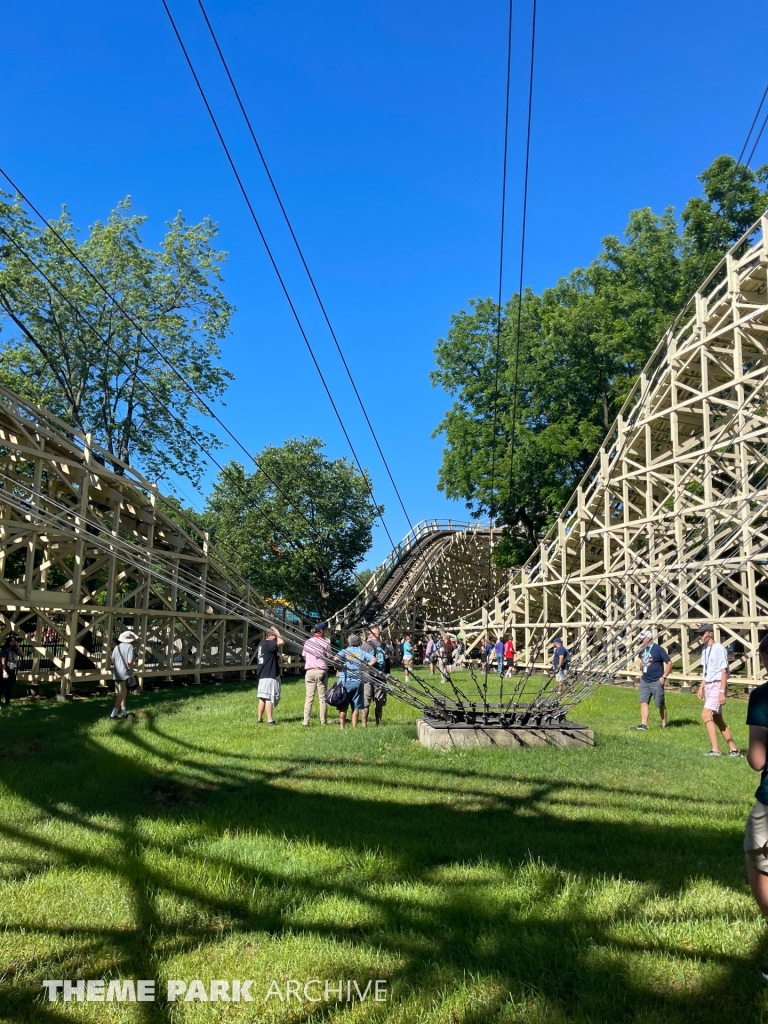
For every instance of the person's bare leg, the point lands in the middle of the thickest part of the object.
(663, 713)
(706, 716)
(355, 716)
(260, 713)
(727, 735)
(758, 883)
(365, 718)
(644, 714)
(342, 718)
(121, 695)
(268, 706)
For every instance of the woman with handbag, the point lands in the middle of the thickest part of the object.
(122, 674)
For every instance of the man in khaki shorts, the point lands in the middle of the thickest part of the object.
(317, 655)
(756, 833)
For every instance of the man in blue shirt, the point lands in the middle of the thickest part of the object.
(561, 660)
(354, 657)
(657, 665)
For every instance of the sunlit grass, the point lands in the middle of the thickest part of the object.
(540, 885)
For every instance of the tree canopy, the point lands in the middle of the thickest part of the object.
(582, 345)
(66, 345)
(297, 527)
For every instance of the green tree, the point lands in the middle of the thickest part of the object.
(582, 345)
(67, 347)
(302, 539)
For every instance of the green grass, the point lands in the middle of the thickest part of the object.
(601, 885)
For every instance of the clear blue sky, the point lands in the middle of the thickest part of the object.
(383, 125)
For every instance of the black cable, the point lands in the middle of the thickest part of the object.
(501, 263)
(272, 260)
(302, 258)
(752, 127)
(522, 257)
(757, 140)
(409, 585)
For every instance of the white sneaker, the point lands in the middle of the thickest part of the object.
(123, 713)
(114, 713)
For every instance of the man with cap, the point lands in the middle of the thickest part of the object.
(561, 659)
(353, 658)
(318, 656)
(268, 673)
(714, 683)
(122, 659)
(657, 665)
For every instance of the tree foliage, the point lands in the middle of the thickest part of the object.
(299, 540)
(66, 346)
(582, 345)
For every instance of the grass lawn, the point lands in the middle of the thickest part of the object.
(601, 885)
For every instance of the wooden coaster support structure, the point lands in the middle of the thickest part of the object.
(66, 592)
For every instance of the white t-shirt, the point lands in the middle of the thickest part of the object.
(713, 660)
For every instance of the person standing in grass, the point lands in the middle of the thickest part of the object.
(499, 650)
(353, 658)
(9, 660)
(714, 684)
(657, 665)
(122, 659)
(756, 831)
(561, 660)
(317, 655)
(268, 673)
(509, 657)
(373, 693)
(407, 656)
(430, 658)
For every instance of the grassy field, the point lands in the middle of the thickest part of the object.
(601, 885)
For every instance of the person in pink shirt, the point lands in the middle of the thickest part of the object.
(317, 654)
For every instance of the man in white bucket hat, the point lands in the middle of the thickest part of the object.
(122, 659)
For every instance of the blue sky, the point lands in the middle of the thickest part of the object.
(382, 123)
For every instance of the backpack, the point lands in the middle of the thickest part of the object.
(337, 696)
(381, 658)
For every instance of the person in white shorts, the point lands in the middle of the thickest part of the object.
(714, 684)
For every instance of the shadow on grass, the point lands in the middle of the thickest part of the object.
(522, 946)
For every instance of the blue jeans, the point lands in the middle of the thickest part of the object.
(500, 662)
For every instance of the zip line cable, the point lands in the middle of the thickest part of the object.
(752, 128)
(501, 260)
(757, 140)
(300, 252)
(219, 133)
(522, 256)
(272, 260)
(491, 507)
